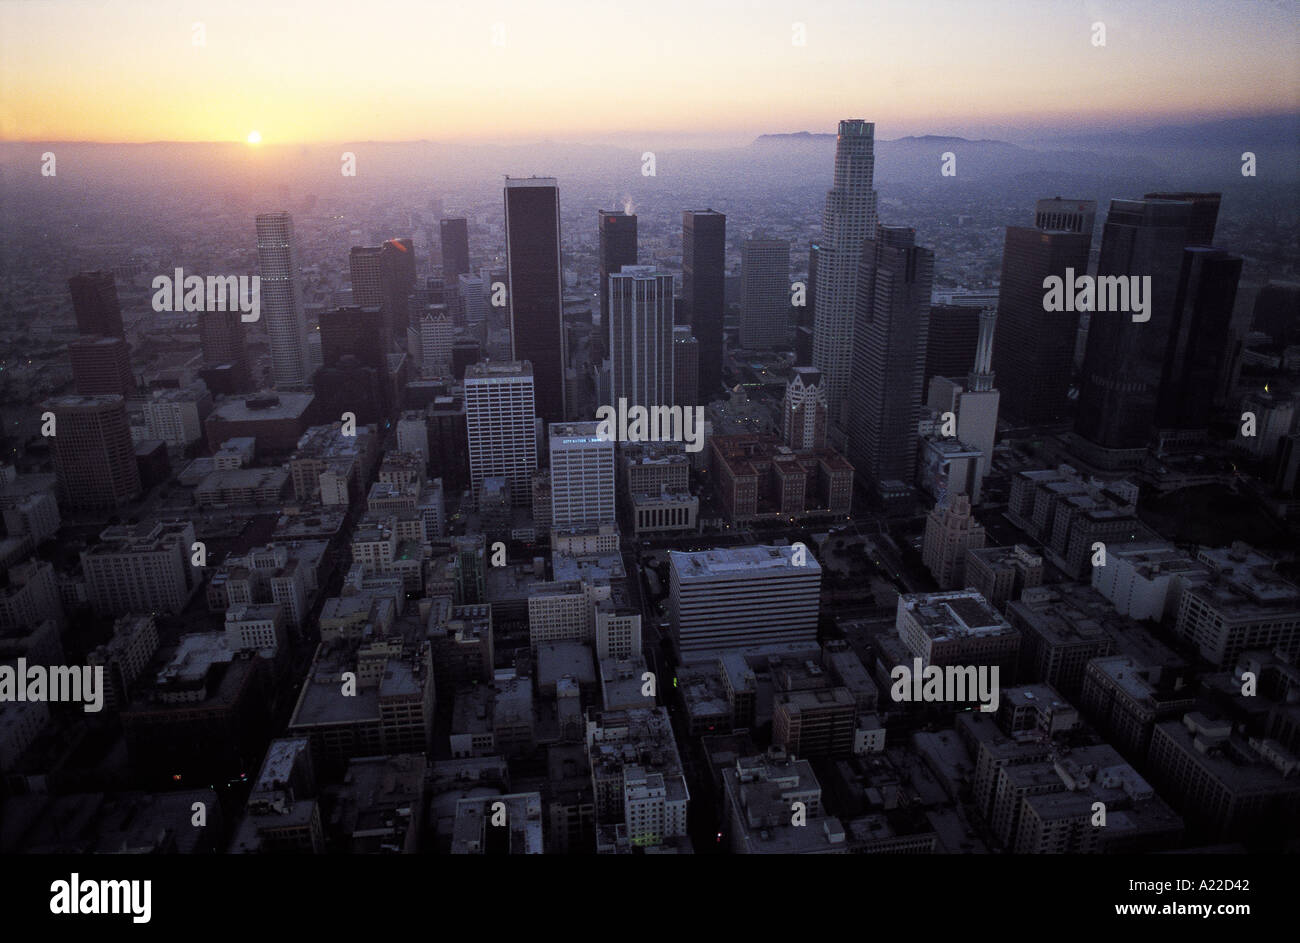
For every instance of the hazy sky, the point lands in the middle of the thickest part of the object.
(708, 70)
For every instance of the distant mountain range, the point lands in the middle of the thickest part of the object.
(1254, 131)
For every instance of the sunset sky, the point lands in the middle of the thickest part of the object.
(595, 70)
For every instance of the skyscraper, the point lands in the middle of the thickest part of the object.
(803, 413)
(1201, 344)
(397, 281)
(1204, 217)
(640, 331)
(975, 405)
(849, 218)
(765, 293)
(582, 475)
(704, 276)
(455, 248)
(950, 348)
(889, 339)
(617, 248)
(94, 459)
(101, 366)
(950, 530)
(94, 301)
(534, 290)
(1124, 360)
(1058, 215)
(281, 300)
(500, 425)
(686, 367)
(383, 277)
(225, 352)
(1034, 356)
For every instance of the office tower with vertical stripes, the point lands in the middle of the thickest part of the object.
(889, 340)
(640, 331)
(617, 231)
(765, 293)
(534, 287)
(281, 300)
(501, 426)
(704, 304)
(848, 219)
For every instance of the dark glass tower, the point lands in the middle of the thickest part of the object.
(953, 335)
(617, 249)
(455, 248)
(704, 276)
(1125, 359)
(1205, 214)
(1202, 338)
(94, 300)
(889, 343)
(1034, 355)
(534, 289)
(221, 336)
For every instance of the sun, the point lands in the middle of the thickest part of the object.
(254, 137)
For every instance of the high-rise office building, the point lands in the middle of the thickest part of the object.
(849, 218)
(1058, 215)
(1202, 338)
(1124, 360)
(94, 459)
(950, 348)
(101, 366)
(94, 301)
(225, 351)
(1204, 217)
(281, 300)
(582, 475)
(804, 411)
(640, 332)
(742, 597)
(975, 405)
(534, 288)
(889, 338)
(1035, 351)
(397, 281)
(617, 231)
(354, 331)
(765, 293)
(500, 424)
(383, 277)
(704, 277)
(686, 367)
(455, 247)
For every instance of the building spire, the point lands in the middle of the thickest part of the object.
(980, 379)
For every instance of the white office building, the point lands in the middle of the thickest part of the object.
(500, 419)
(582, 475)
(743, 597)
